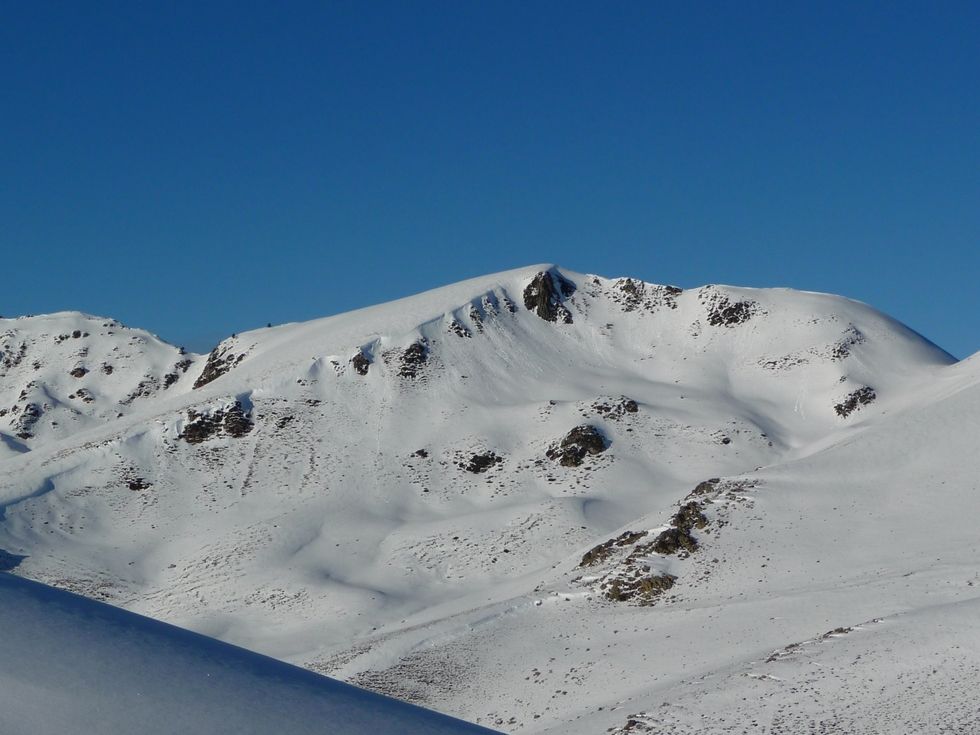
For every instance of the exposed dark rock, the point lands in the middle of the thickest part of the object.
(691, 515)
(83, 395)
(543, 296)
(220, 361)
(146, 387)
(200, 427)
(78, 372)
(232, 421)
(24, 426)
(728, 314)
(182, 365)
(615, 409)
(138, 483)
(169, 379)
(12, 359)
(458, 329)
(622, 589)
(421, 453)
(480, 463)
(579, 442)
(861, 397)
(604, 550)
(673, 540)
(106, 368)
(413, 358)
(476, 317)
(842, 348)
(708, 486)
(283, 421)
(76, 334)
(236, 423)
(361, 363)
(632, 294)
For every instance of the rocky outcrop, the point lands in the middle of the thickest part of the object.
(544, 296)
(722, 311)
(678, 538)
(220, 361)
(360, 363)
(632, 295)
(24, 424)
(615, 409)
(231, 421)
(413, 358)
(854, 400)
(480, 463)
(577, 444)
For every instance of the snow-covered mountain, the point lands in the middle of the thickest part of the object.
(539, 500)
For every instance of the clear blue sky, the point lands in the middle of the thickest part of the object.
(199, 169)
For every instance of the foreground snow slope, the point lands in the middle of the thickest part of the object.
(73, 665)
(402, 496)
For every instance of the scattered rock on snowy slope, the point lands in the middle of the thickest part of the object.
(413, 358)
(203, 426)
(479, 463)
(604, 550)
(722, 312)
(854, 400)
(576, 444)
(615, 408)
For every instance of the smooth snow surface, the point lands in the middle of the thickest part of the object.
(379, 496)
(72, 665)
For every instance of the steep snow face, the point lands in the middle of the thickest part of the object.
(69, 664)
(63, 373)
(378, 494)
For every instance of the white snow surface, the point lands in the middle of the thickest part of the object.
(345, 531)
(72, 665)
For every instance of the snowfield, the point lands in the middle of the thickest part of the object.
(539, 501)
(72, 665)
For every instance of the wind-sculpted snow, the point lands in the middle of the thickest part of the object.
(406, 493)
(71, 665)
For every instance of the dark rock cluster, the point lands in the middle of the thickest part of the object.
(632, 294)
(544, 295)
(480, 463)
(604, 550)
(360, 363)
(854, 400)
(413, 358)
(24, 425)
(577, 443)
(615, 408)
(232, 421)
(219, 362)
(678, 538)
(727, 314)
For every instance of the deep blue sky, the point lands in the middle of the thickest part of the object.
(199, 169)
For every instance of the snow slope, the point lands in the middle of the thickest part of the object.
(72, 665)
(385, 496)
